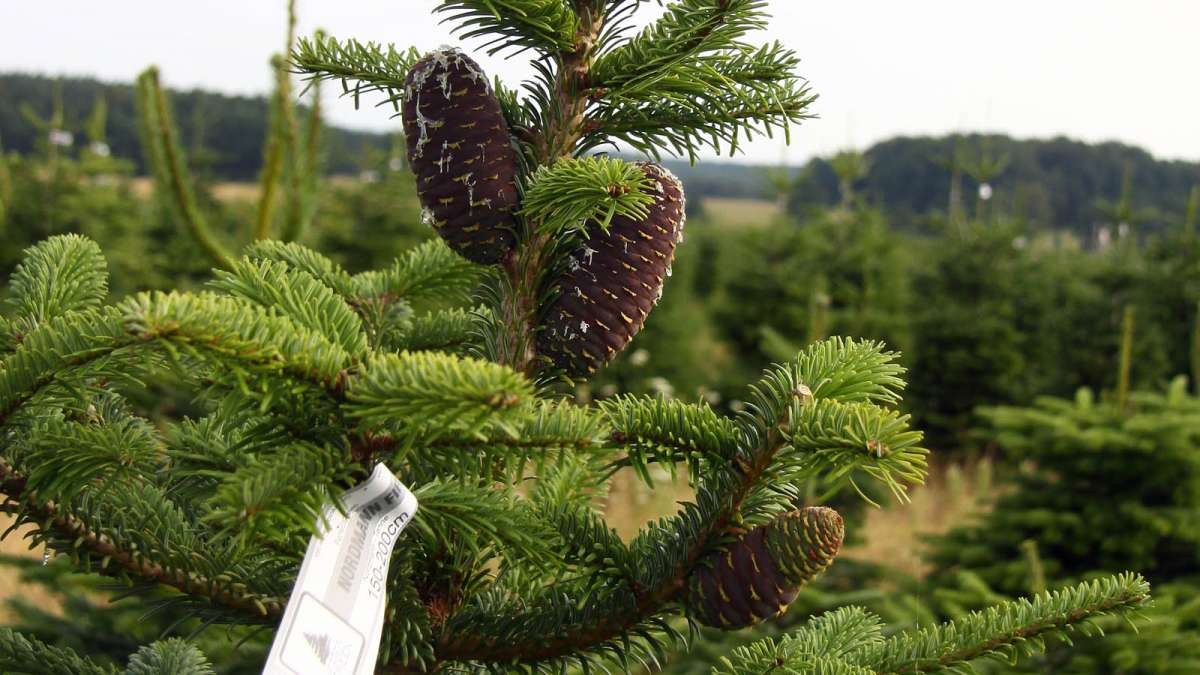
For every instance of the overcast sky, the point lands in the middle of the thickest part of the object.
(1125, 70)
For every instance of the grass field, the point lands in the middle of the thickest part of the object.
(739, 213)
(228, 191)
(10, 585)
(949, 498)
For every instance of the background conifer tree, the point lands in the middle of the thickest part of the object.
(305, 376)
(1101, 487)
(289, 185)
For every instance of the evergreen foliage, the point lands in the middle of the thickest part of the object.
(860, 284)
(975, 279)
(88, 473)
(1089, 469)
(1055, 183)
(360, 68)
(304, 376)
(289, 161)
(850, 640)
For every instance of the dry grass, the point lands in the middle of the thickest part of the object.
(949, 498)
(10, 583)
(631, 505)
(735, 213)
(143, 187)
(236, 192)
(229, 191)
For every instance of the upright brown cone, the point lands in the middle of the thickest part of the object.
(761, 573)
(613, 281)
(459, 148)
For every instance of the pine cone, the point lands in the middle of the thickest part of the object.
(613, 281)
(761, 573)
(459, 148)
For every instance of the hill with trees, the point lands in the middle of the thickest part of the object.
(229, 130)
(1057, 183)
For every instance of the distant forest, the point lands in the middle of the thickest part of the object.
(1057, 183)
(230, 128)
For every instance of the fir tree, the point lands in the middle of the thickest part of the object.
(969, 348)
(1102, 486)
(6, 187)
(307, 376)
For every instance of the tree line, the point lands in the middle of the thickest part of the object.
(224, 133)
(1058, 183)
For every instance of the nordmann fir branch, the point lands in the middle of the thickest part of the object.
(844, 370)
(371, 67)
(27, 654)
(850, 640)
(1016, 624)
(646, 602)
(114, 559)
(168, 319)
(824, 413)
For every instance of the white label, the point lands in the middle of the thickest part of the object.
(334, 619)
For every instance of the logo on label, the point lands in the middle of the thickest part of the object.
(320, 646)
(330, 645)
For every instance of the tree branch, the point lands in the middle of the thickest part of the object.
(647, 601)
(227, 594)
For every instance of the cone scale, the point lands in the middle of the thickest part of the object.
(613, 280)
(760, 574)
(459, 148)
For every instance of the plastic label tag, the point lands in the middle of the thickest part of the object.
(334, 619)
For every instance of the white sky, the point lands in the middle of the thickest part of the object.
(1125, 70)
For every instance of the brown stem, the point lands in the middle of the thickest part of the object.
(556, 140)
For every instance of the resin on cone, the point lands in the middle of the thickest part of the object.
(762, 572)
(613, 280)
(459, 149)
